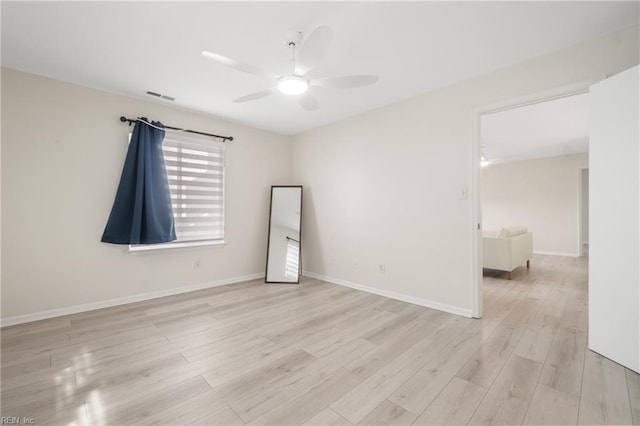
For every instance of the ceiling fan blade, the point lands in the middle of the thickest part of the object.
(254, 96)
(237, 65)
(347, 81)
(308, 102)
(314, 49)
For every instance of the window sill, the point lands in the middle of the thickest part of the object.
(168, 246)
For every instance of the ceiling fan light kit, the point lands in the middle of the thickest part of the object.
(293, 85)
(296, 83)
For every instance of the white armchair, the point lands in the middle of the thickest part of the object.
(507, 249)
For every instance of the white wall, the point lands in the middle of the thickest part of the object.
(63, 148)
(542, 194)
(385, 187)
(382, 188)
(614, 253)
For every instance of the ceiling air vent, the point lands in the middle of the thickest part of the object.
(159, 95)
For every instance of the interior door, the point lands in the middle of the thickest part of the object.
(614, 225)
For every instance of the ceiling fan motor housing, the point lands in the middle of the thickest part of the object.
(292, 38)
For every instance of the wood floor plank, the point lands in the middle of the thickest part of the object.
(342, 356)
(30, 328)
(633, 386)
(552, 407)
(535, 343)
(564, 365)
(319, 353)
(230, 347)
(140, 408)
(454, 405)
(422, 387)
(370, 321)
(104, 330)
(36, 397)
(507, 400)
(223, 417)
(79, 355)
(265, 375)
(188, 411)
(605, 397)
(124, 339)
(327, 417)
(373, 361)
(220, 373)
(115, 386)
(261, 400)
(357, 404)
(575, 314)
(307, 317)
(206, 333)
(522, 311)
(486, 363)
(309, 403)
(397, 325)
(17, 369)
(42, 341)
(388, 413)
(294, 331)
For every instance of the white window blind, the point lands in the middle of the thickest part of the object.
(195, 169)
(293, 257)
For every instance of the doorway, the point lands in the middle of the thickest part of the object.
(507, 154)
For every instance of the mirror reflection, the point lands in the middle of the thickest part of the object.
(283, 250)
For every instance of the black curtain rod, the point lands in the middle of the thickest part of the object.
(224, 138)
(289, 238)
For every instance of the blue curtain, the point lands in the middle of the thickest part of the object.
(142, 212)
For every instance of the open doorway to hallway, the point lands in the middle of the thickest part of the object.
(533, 180)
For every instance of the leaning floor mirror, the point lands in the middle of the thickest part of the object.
(283, 245)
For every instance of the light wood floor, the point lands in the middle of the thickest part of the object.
(318, 353)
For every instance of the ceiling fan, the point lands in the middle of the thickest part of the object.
(300, 79)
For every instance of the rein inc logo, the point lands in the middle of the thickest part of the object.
(6, 420)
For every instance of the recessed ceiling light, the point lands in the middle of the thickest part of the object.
(293, 85)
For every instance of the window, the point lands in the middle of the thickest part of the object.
(195, 169)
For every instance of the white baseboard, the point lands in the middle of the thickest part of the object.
(556, 253)
(20, 319)
(392, 295)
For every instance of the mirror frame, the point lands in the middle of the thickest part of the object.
(266, 271)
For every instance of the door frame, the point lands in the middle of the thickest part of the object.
(476, 153)
(581, 248)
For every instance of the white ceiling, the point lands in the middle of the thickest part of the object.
(415, 47)
(546, 129)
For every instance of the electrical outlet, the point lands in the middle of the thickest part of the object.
(381, 268)
(197, 264)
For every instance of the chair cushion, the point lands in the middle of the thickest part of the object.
(512, 231)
